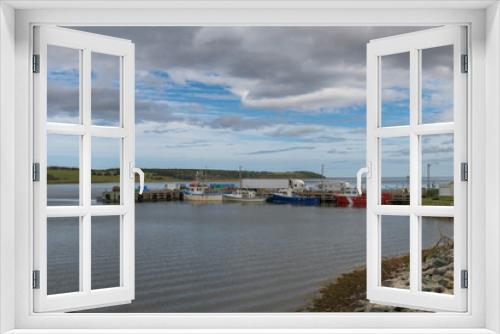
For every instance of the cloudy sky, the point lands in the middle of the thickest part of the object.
(266, 98)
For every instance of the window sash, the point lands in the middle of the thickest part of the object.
(413, 43)
(85, 43)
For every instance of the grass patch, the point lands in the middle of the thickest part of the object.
(71, 175)
(348, 292)
(443, 200)
(62, 175)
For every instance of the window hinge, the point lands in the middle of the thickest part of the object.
(464, 280)
(36, 279)
(464, 171)
(465, 63)
(36, 172)
(36, 63)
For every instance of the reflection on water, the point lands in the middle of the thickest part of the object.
(241, 258)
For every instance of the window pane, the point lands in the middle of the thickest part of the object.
(395, 86)
(437, 84)
(63, 254)
(63, 170)
(106, 156)
(395, 170)
(395, 234)
(105, 252)
(63, 84)
(437, 169)
(437, 254)
(105, 89)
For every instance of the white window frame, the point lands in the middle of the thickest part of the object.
(413, 44)
(16, 20)
(85, 44)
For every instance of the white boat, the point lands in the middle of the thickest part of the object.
(331, 185)
(243, 195)
(199, 192)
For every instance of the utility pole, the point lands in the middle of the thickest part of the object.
(322, 177)
(428, 177)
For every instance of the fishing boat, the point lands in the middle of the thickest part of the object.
(199, 192)
(244, 196)
(350, 198)
(288, 197)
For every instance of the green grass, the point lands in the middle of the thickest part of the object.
(62, 175)
(443, 200)
(57, 175)
(71, 175)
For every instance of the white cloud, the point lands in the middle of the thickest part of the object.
(334, 98)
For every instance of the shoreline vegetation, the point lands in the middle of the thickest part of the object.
(347, 293)
(57, 175)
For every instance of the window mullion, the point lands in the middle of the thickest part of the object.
(414, 171)
(85, 235)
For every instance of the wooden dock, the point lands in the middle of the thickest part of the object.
(394, 197)
(153, 195)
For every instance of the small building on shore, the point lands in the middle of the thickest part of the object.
(446, 189)
(267, 184)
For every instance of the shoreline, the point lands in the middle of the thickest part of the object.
(347, 293)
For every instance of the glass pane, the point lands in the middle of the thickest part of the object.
(105, 252)
(106, 156)
(437, 169)
(437, 84)
(63, 170)
(395, 170)
(395, 234)
(395, 85)
(63, 84)
(437, 254)
(63, 255)
(105, 89)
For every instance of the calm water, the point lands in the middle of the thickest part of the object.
(225, 257)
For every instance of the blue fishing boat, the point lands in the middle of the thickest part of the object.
(294, 199)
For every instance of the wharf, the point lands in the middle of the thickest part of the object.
(153, 195)
(325, 197)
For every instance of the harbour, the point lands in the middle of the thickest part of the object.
(227, 256)
(334, 193)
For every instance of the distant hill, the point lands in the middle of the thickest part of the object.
(57, 174)
(220, 174)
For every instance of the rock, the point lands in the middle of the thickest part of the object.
(437, 277)
(428, 272)
(449, 274)
(438, 289)
(443, 282)
(439, 262)
(440, 271)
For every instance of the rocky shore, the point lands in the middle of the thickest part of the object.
(348, 292)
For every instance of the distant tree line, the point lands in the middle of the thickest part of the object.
(220, 174)
(59, 173)
(105, 172)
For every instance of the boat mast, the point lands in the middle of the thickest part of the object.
(241, 181)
